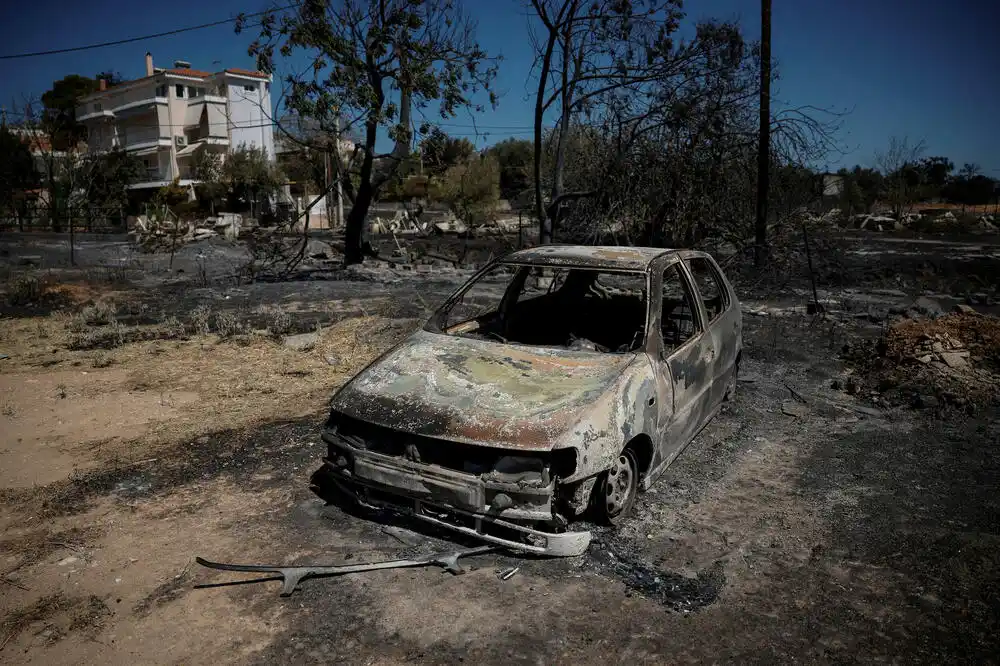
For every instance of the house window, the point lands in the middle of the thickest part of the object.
(250, 88)
(97, 107)
(195, 92)
(161, 91)
(267, 87)
(179, 90)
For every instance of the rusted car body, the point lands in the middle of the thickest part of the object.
(497, 424)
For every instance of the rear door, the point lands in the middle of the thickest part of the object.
(684, 360)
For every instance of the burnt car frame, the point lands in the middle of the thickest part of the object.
(488, 425)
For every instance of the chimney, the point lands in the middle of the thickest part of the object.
(102, 84)
(149, 63)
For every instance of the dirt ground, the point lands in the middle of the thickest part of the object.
(154, 416)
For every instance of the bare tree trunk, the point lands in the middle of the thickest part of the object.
(72, 249)
(362, 200)
(764, 143)
(544, 224)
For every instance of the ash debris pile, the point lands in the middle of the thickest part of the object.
(951, 360)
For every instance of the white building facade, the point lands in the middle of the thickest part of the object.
(170, 114)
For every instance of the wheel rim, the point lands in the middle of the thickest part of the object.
(620, 485)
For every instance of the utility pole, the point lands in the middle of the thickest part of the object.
(340, 166)
(764, 143)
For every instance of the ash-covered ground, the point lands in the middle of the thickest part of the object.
(827, 515)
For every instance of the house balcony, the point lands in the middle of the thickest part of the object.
(95, 115)
(126, 109)
(141, 138)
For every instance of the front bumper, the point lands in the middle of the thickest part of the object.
(456, 501)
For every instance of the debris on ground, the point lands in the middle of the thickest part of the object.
(154, 234)
(954, 359)
(507, 574)
(293, 575)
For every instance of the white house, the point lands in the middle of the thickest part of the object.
(166, 116)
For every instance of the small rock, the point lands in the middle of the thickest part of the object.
(793, 408)
(955, 359)
(925, 359)
(67, 561)
(962, 308)
(926, 401)
(928, 306)
(301, 342)
(319, 250)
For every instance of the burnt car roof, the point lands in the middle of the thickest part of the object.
(589, 256)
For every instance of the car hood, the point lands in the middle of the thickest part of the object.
(478, 392)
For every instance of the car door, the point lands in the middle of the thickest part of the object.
(684, 361)
(720, 320)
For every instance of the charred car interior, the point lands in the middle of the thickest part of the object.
(577, 308)
(557, 382)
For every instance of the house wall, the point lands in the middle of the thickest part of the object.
(250, 114)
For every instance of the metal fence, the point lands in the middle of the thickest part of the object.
(83, 220)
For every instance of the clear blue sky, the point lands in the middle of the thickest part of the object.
(928, 70)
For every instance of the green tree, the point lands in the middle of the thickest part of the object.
(208, 169)
(439, 152)
(59, 116)
(935, 172)
(861, 189)
(372, 62)
(471, 188)
(17, 173)
(251, 176)
(109, 175)
(515, 158)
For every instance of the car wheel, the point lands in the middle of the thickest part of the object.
(616, 489)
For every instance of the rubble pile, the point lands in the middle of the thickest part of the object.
(953, 359)
(152, 234)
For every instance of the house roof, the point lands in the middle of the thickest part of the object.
(189, 72)
(247, 72)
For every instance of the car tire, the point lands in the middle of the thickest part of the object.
(616, 489)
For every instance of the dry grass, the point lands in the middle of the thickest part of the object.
(60, 612)
(36, 545)
(245, 380)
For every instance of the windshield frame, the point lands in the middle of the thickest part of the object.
(433, 323)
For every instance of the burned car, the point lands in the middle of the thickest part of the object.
(557, 381)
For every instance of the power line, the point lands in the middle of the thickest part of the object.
(478, 129)
(130, 40)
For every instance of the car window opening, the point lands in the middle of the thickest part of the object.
(573, 308)
(677, 321)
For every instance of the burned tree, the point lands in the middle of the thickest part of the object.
(587, 52)
(372, 64)
(663, 150)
